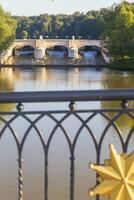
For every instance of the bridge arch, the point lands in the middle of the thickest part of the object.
(89, 48)
(57, 48)
(24, 49)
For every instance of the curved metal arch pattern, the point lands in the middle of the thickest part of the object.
(84, 123)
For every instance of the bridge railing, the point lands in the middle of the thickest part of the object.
(84, 115)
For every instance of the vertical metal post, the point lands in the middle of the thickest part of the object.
(72, 174)
(98, 162)
(46, 177)
(20, 178)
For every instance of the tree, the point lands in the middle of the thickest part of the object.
(24, 34)
(62, 25)
(7, 29)
(119, 30)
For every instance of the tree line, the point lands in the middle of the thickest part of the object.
(89, 25)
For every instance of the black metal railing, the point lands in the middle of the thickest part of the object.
(123, 105)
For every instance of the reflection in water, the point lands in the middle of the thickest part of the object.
(6, 79)
(117, 79)
(61, 78)
(125, 122)
(6, 85)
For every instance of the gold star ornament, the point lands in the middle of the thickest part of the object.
(116, 177)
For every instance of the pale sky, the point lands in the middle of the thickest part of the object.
(36, 7)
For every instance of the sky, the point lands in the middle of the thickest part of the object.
(36, 7)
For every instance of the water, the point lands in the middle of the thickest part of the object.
(63, 78)
(49, 79)
(60, 58)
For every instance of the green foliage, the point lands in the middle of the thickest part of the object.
(7, 29)
(89, 25)
(24, 34)
(119, 30)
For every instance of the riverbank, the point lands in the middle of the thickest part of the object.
(49, 65)
(124, 65)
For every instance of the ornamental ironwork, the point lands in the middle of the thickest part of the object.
(86, 116)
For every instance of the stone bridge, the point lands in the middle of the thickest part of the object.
(40, 45)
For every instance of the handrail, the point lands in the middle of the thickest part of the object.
(64, 96)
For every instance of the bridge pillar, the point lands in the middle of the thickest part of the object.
(73, 52)
(39, 52)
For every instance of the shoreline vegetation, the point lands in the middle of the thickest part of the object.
(123, 65)
(119, 36)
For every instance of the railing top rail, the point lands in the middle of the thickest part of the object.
(64, 96)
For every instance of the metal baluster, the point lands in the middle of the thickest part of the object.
(124, 105)
(46, 177)
(72, 174)
(20, 178)
(98, 162)
(72, 107)
(20, 107)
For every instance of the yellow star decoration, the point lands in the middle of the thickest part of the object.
(116, 177)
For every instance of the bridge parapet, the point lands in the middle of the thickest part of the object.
(46, 43)
(24, 42)
(52, 42)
